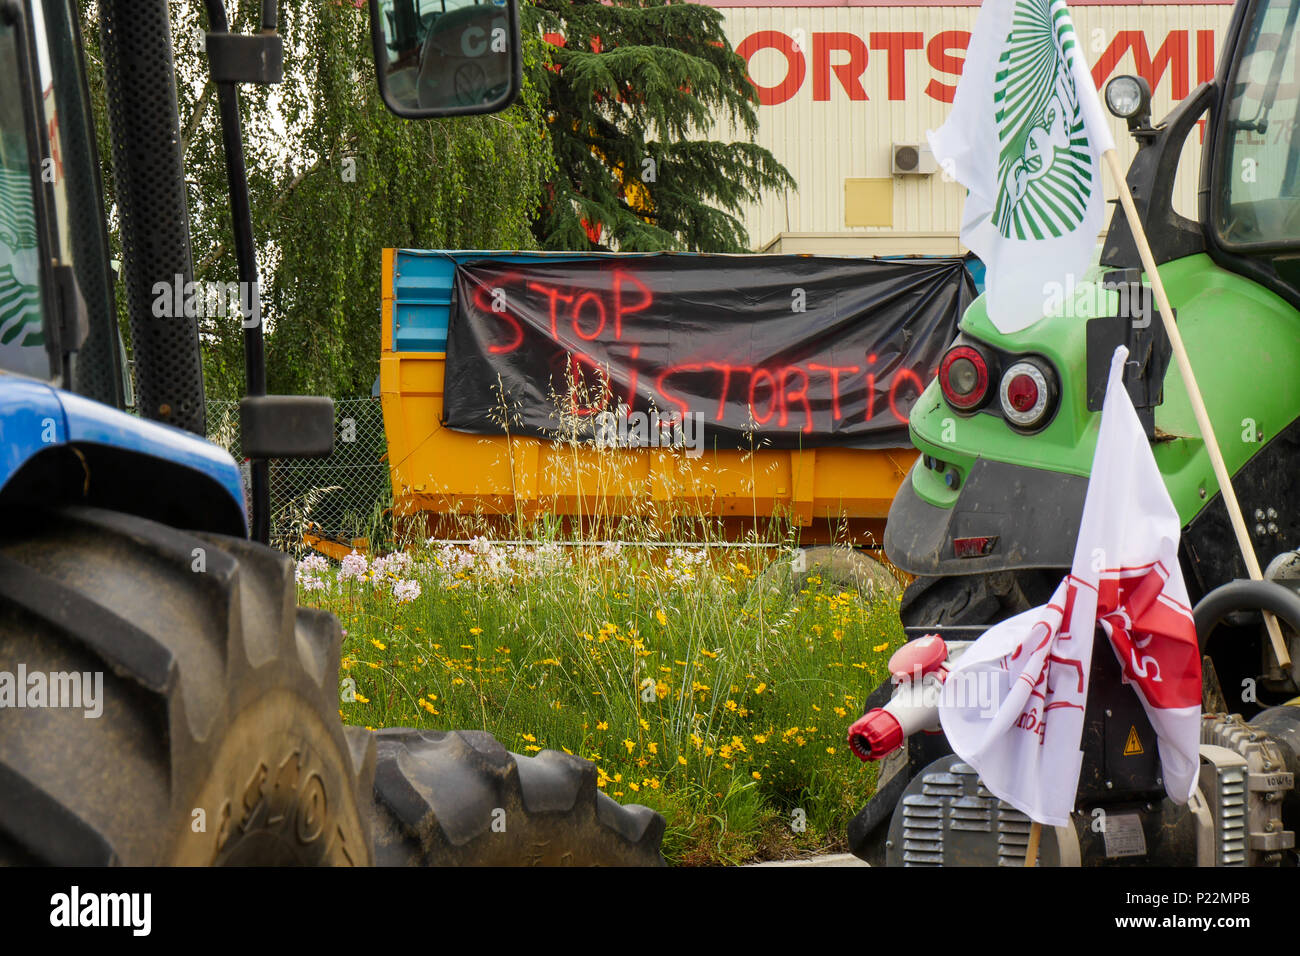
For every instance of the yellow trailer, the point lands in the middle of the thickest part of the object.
(441, 477)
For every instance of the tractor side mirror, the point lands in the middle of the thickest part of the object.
(446, 57)
(286, 426)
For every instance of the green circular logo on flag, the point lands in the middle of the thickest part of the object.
(1044, 165)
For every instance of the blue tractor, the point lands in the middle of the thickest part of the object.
(162, 698)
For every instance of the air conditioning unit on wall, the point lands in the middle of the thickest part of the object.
(913, 159)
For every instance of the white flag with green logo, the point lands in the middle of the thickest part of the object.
(1025, 137)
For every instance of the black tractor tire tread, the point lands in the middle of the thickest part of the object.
(191, 632)
(971, 599)
(441, 798)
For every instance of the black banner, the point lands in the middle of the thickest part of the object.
(750, 351)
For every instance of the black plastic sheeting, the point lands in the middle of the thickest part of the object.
(758, 351)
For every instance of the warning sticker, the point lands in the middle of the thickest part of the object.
(1124, 836)
(1133, 745)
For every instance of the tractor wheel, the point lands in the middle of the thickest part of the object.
(461, 799)
(974, 599)
(206, 729)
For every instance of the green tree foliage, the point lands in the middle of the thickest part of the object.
(634, 92)
(334, 178)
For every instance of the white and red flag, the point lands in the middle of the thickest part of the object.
(1015, 705)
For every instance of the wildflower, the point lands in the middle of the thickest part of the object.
(476, 631)
(359, 699)
(652, 747)
(629, 744)
(756, 775)
(661, 617)
(831, 751)
(532, 748)
(602, 725)
(644, 725)
(760, 687)
(354, 566)
(378, 643)
(406, 591)
(428, 706)
(681, 760)
(529, 737)
(881, 647)
(313, 564)
(731, 705)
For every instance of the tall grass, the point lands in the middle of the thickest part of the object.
(709, 683)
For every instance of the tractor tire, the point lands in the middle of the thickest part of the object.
(974, 599)
(459, 798)
(214, 737)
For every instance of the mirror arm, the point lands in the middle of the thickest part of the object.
(245, 248)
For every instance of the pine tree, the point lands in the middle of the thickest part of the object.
(635, 89)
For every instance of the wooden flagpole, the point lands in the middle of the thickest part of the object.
(1198, 404)
(1031, 851)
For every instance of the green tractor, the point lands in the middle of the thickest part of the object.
(988, 517)
(162, 698)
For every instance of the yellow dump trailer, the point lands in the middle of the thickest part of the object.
(443, 476)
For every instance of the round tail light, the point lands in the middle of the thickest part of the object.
(1027, 393)
(964, 377)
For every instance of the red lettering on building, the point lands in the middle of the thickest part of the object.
(1172, 53)
(796, 66)
(895, 46)
(849, 74)
(944, 56)
(941, 61)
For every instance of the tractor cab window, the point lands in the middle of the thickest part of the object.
(51, 211)
(22, 339)
(1257, 204)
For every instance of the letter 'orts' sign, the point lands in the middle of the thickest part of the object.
(777, 351)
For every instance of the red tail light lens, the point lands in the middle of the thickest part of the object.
(1027, 392)
(964, 377)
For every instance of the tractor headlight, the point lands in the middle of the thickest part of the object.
(1129, 98)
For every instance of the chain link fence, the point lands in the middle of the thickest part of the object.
(342, 497)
